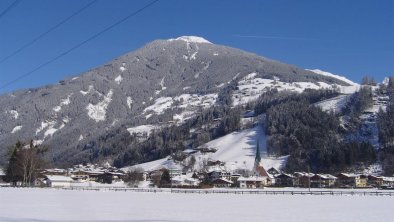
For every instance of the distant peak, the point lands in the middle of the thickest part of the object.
(386, 81)
(194, 39)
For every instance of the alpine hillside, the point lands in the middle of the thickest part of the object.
(97, 115)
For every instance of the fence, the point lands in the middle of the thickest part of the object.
(233, 191)
(270, 192)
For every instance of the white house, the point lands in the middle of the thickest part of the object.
(2, 175)
(58, 181)
(252, 182)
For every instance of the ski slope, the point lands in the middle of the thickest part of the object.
(237, 150)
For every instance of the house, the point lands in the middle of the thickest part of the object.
(259, 170)
(217, 174)
(199, 176)
(388, 181)
(55, 171)
(214, 174)
(174, 172)
(302, 179)
(352, 180)
(185, 181)
(284, 180)
(2, 175)
(155, 175)
(145, 175)
(252, 182)
(94, 175)
(234, 177)
(222, 183)
(322, 181)
(58, 181)
(273, 171)
(375, 181)
(110, 177)
(80, 176)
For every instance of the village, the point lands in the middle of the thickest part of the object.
(95, 176)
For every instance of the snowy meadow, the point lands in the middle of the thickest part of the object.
(44, 205)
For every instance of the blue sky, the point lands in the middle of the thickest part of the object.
(350, 38)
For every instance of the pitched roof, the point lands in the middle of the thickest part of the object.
(261, 171)
(57, 178)
(222, 180)
(257, 179)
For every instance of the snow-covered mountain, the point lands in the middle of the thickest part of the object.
(164, 82)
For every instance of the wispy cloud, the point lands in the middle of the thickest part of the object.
(273, 37)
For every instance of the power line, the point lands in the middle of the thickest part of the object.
(16, 2)
(81, 43)
(47, 32)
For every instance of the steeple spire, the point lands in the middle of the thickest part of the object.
(258, 155)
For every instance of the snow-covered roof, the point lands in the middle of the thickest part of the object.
(55, 170)
(388, 179)
(223, 179)
(350, 175)
(56, 178)
(304, 174)
(326, 176)
(257, 179)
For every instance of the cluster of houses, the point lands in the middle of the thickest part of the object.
(90, 175)
(93, 175)
(260, 178)
(341, 180)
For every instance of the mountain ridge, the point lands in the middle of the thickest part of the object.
(183, 74)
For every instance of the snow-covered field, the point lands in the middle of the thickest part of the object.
(44, 205)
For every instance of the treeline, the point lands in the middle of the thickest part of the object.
(274, 97)
(312, 137)
(386, 129)
(359, 102)
(24, 163)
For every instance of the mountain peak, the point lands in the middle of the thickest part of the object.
(194, 39)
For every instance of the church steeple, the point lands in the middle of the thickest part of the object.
(258, 170)
(258, 155)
